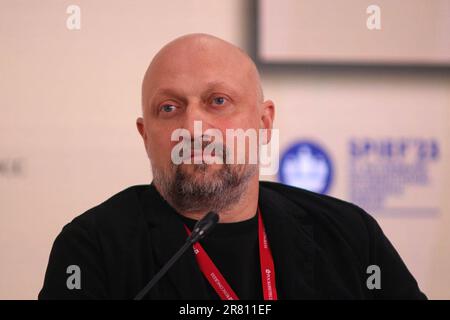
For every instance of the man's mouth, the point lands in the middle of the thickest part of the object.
(198, 156)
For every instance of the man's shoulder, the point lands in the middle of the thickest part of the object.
(309, 199)
(118, 211)
(323, 210)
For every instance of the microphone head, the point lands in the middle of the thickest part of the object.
(204, 226)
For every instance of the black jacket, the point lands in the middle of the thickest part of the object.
(321, 246)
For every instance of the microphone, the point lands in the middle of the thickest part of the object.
(201, 229)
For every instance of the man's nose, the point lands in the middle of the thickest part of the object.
(196, 119)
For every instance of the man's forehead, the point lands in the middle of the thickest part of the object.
(198, 76)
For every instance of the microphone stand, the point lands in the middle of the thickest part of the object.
(201, 229)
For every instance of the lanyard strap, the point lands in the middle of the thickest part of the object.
(217, 280)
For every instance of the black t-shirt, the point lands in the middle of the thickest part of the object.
(234, 249)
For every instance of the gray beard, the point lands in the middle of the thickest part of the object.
(221, 190)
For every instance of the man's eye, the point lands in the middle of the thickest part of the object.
(167, 108)
(219, 101)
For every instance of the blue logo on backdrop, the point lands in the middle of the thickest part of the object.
(382, 171)
(306, 165)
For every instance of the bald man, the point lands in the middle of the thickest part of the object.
(272, 241)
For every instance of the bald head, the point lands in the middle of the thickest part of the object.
(200, 54)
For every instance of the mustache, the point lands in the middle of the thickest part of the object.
(198, 146)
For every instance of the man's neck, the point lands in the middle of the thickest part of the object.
(245, 209)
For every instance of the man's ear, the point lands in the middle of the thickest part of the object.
(267, 117)
(141, 128)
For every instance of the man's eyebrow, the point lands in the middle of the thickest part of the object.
(221, 85)
(210, 86)
(163, 93)
(166, 92)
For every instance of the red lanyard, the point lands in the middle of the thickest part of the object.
(217, 280)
